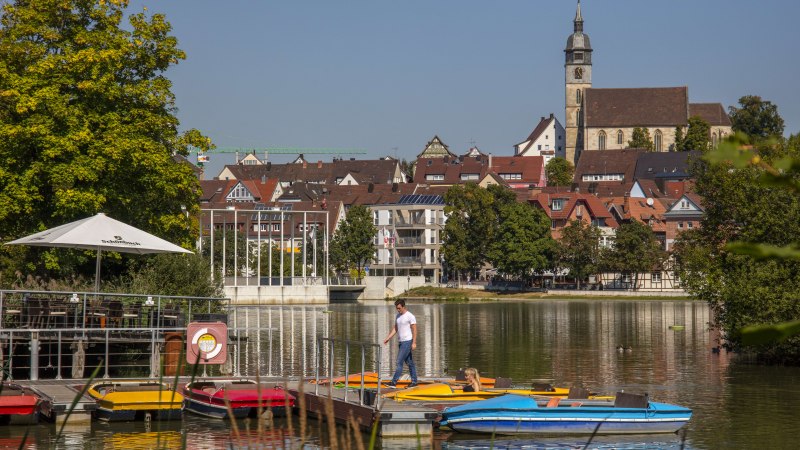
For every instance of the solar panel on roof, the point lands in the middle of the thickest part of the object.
(416, 199)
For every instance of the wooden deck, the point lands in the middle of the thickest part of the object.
(57, 397)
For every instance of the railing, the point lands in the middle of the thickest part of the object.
(73, 310)
(409, 260)
(409, 223)
(409, 241)
(348, 281)
(328, 345)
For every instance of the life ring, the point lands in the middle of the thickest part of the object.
(207, 342)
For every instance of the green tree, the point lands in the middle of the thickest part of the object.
(471, 223)
(353, 240)
(522, 242)
(579, 250)
(166, 274)
(274, 252)
(744, 260)
(87, 124)
(641, 139)
(680, 139)
(697, 135)
(230, 249)
(559, 172)
(636, 250)
(757, 118)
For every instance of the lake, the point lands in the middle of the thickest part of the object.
(564, 342)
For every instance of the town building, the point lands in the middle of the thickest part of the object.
(547, 140)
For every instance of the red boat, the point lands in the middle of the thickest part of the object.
(17, 402)
(208, 398)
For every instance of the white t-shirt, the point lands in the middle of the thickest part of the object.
(404, 322)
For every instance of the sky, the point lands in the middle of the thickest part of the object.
(385, 77)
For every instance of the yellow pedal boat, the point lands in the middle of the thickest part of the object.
(371, 381)
(135, 400)
(442, 392)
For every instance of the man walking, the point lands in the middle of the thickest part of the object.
(405, 326)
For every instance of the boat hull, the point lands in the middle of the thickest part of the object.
(130, 415)
(514, 414)
(127, 401)
(222, 399)
(221, 411)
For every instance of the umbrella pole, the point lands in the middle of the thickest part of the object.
(97, 272)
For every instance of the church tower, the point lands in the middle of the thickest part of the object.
(578, 78)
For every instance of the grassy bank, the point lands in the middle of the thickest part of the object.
(464, 295)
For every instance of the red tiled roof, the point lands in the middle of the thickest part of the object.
(530, 168)
(713, 113)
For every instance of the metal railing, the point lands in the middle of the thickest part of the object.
(328, 345)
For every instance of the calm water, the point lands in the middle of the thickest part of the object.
(736, 405)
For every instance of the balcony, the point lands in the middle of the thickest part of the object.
(409, 242)
(409, 260)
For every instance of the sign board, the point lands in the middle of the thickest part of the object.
(209, 340)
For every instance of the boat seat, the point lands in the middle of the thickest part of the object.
(576, 404)
(501, 382)
(626, 400)
(542, 387)
(578, 392)
(554, 402)
(461, 375)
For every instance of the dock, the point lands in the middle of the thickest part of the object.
(57, 397)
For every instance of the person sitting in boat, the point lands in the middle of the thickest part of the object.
(473, 380)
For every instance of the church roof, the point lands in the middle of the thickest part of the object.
(713, 113)
(637, 107)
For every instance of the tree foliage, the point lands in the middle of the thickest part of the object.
(579, 250)
(757, 118)
(470, 227)
(743, 260)
(636, 250)
(522, 243)
(352, 244)
(641, 139)
(697, 135)
(87, 124)
(559, 172)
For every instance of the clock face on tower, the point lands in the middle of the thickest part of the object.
(578, 73)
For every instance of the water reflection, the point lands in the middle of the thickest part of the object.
(735, 405)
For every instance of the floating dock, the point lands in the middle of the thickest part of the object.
(57, 398)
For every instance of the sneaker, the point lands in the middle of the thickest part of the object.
(413, 384)
(391, 384)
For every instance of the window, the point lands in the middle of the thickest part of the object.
(540, 146)
(680, 224)
(658, 141)
(603, 177)
(557, 204)
(434, 177)
(375, 217)
(553, 224)
(276, 227)
(689, 224)
(656, 277)
(511, 176)
(684, 204)
(469, 176)
(578, 96)
(601, 140)
(240, 194)
(578, 56)
(620, 137)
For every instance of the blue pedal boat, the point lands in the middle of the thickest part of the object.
(517, 414)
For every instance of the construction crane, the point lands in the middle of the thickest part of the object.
(204, 157)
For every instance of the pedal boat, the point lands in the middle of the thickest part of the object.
(443, 392)
(17, 404)
(135, 400)
(516, 414)
(371, 381)
(208, 398)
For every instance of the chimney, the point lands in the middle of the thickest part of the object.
(490, 160)
(370, 187)
(305, 164)
(551, 115)
(263, 179)
(542, 119)
(324, 203)
(319, 164)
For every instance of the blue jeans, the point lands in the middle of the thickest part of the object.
(404, 357)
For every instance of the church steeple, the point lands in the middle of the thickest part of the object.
(578, 78)
(578, 19)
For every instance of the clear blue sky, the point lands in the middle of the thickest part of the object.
(379, 75)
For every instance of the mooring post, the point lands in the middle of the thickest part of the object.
(34, 355)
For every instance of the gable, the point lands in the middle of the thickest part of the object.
(435, 149)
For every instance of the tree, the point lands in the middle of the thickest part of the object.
(635, 250)
(697, 135)
(87, 124)
(353, 240)
(680, 139)
(641, 139)
(229, 251)
(522, 243)
(579, 250)
(757, 118)
(744, 260)
(470, 227)
(559, 172)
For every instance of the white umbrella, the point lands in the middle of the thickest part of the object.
(100, 233)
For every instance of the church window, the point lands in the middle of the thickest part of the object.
(601, 140)
(658, 141)
(620, 137)
(578, 96)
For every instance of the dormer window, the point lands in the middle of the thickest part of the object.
(557, 204)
